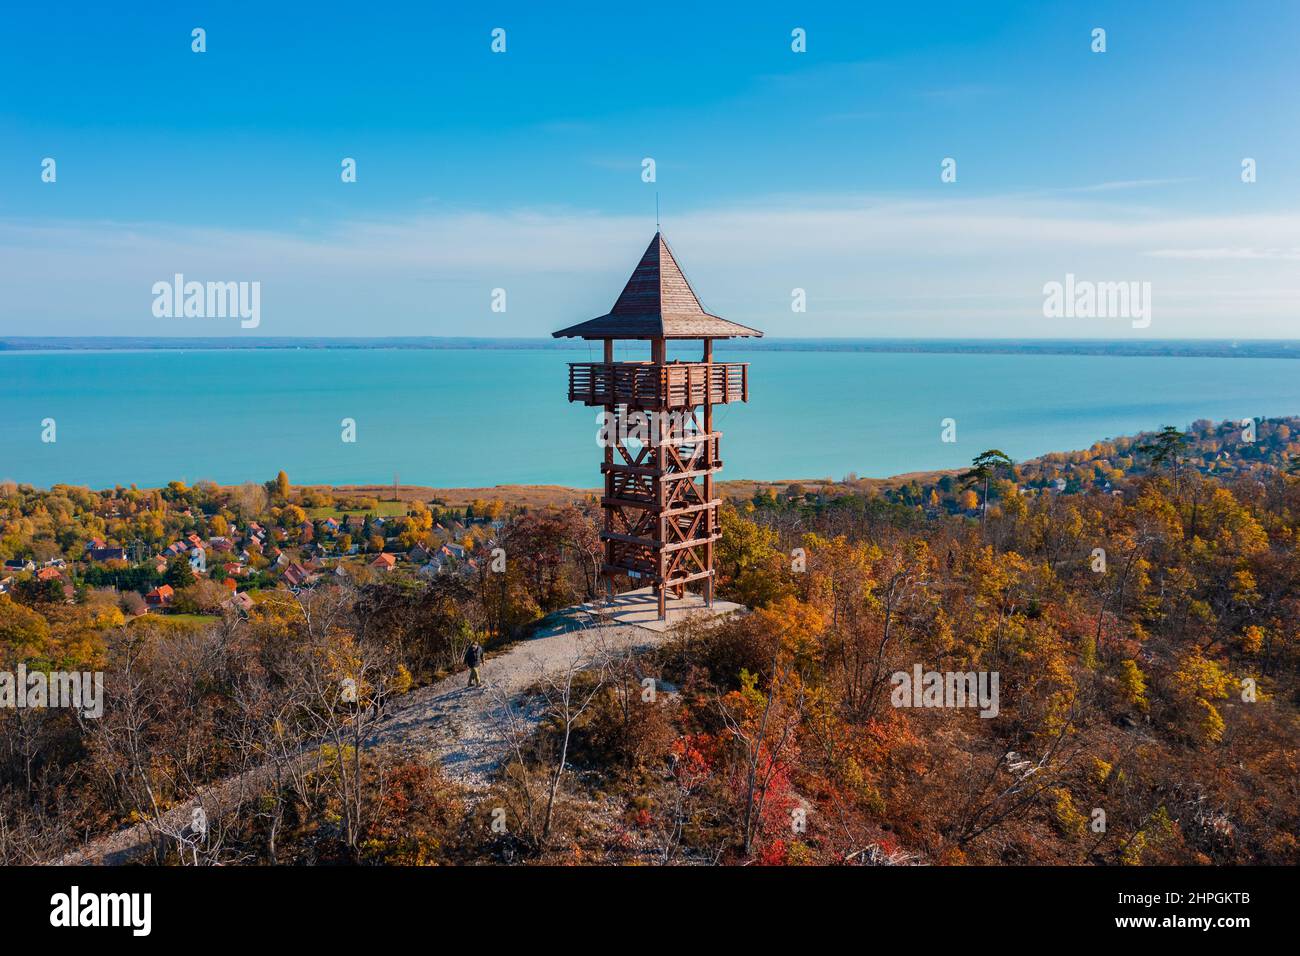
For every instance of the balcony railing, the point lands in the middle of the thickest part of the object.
(651, 386)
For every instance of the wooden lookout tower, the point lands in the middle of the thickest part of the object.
(661, 450)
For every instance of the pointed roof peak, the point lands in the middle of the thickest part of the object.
(657, 285)
(657, 302)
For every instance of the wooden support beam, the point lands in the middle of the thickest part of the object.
(659, 546)
(656, 472)
(649, 505)
(692, 578)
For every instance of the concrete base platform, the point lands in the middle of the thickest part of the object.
(640, 608)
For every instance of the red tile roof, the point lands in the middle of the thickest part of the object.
(160, 595)
(295, 574)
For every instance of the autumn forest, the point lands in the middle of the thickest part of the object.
(1139, 602)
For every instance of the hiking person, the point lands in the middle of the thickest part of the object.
(474, 660)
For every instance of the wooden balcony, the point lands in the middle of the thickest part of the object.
(658, 387)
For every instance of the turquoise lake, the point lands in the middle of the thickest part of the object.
(455, 418)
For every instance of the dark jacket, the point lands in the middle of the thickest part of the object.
(474, 655)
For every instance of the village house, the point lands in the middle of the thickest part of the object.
(107, 554)
(20, 564)
(295, 575)
(160, 596)
(239, 602)
(384, 562)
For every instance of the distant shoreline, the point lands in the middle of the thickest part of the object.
(544, 495)
(1168, 348)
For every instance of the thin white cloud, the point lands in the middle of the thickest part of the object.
(1120, 184)
(1292, 253)
(869, 265)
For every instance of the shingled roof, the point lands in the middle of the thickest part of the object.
(657, 303)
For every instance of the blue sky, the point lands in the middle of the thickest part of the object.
(775, 170)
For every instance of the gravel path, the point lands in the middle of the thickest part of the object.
(461, 727)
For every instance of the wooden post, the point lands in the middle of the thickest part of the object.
(657, 356)
(610, 411)
(708, 478)
(658, 359)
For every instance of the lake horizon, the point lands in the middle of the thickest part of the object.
(498, 415)
(1097, 345)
